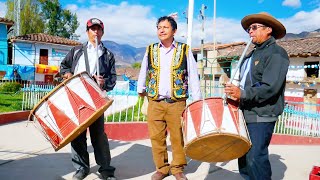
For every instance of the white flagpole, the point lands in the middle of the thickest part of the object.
(97, 55)
(190, 21)
(214, 27)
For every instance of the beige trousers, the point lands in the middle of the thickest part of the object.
(164, 116)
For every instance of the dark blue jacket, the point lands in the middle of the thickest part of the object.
(262, 99)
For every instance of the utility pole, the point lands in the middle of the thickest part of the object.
(203, 7)
(202, 63)
(190, 21)
(17, 9)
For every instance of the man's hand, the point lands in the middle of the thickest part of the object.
(233, 91)
(142, 94)
(67, 75)
(99, 80)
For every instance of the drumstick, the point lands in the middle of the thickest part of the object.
(238, 65)
(97, 54)
(240, 60)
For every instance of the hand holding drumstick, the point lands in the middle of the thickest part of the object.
(233, 91)
(99, 80)
(67, 75)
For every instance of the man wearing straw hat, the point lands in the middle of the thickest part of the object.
(261, 92)
(168, 72)
(84, 58)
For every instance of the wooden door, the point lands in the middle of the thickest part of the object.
(43, 56)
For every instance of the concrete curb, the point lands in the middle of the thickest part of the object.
(10, 117)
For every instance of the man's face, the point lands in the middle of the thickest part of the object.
(259, 32)
(95, 31)
(165, 32)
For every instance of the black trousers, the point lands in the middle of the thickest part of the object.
(99, 141)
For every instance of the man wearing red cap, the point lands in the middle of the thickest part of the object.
(261, 91)
(83, 58)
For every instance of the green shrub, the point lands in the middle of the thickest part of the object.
(10, 87)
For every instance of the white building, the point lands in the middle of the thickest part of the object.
(42, 51)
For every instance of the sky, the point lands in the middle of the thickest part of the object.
(133, 22)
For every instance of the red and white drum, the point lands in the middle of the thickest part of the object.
(214, 131)
(69, 109)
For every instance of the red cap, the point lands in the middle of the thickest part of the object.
(95, 21)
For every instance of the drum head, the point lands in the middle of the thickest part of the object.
(217, 147)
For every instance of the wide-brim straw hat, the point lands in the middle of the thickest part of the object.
(278, 30)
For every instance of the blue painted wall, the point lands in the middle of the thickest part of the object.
(3, 45)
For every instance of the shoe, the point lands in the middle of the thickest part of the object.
(158, 176)
(110, 177)
(180, 176)
(80, 174)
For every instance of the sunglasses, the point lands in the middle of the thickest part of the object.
(254, 27)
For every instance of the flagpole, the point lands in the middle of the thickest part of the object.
(190, 21)
(214, 26)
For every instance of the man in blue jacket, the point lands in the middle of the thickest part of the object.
(261, 91)
(83, 58)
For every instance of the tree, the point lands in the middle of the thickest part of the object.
(44, 16)
(30, 16)
(136, 65)
(60, 22)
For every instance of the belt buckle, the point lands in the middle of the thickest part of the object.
(168, 100)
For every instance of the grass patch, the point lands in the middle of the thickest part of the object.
(126, 115)
(10, 102)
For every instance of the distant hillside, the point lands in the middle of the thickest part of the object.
(125, 55)
(304, 34)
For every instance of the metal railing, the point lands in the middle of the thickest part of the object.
(296, 121)
(32, 94)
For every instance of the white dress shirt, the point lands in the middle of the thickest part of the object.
(92, 59)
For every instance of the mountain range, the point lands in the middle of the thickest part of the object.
(126, 55)
(304, 34)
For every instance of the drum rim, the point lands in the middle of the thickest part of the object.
(51, 92)
(220, 133)
(246, 141)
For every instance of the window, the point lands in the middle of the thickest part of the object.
(312, 69)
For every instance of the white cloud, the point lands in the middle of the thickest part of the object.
(292, 3)
(72, 7)
(303, 21)
(134, 25)
(124, 23)
(3, 8)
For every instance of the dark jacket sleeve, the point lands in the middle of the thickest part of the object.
(66, 64)
(110, 76)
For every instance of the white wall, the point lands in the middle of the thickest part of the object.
(297, 90)
(25, 53)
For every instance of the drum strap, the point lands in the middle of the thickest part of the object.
(86, 58)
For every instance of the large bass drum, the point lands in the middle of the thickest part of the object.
(214, 131)
(69, 109)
